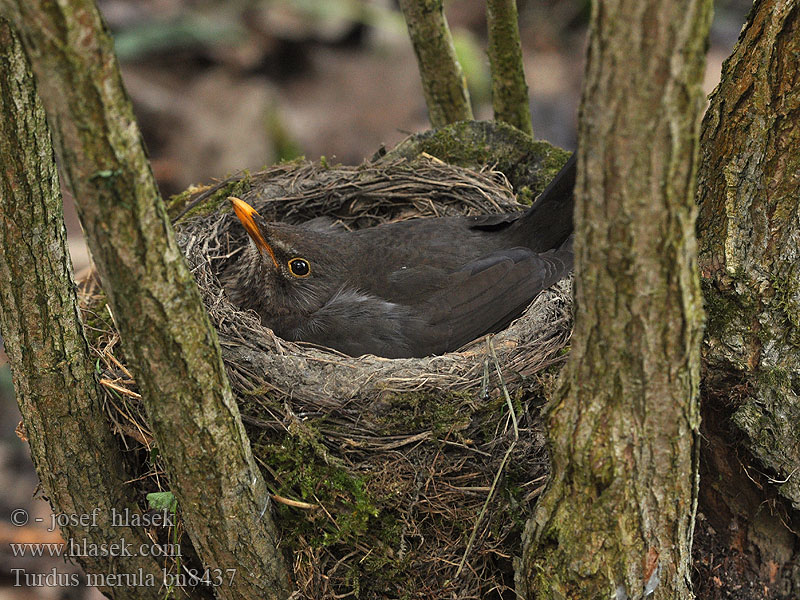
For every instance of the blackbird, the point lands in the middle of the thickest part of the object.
(406, 289)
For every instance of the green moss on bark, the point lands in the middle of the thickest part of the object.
(623, 425)
(77, 458)
(509, 90)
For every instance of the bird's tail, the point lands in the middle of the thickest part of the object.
(549, 218)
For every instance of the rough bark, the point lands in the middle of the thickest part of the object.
(749, 228)
(616, 520)
(749, 238)
(509, 90)
(443, 82)
(77, 458)
(166, 334)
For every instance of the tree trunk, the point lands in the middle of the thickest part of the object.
(749, 228)
(749, 234)
(76, 456)
(616, 520)
(166, 334)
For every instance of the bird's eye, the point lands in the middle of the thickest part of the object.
(299, 267)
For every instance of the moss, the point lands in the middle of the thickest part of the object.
(382, 567)
(746, 319)
(307, 472)
(525, 195)
(95, 318)
(775, 378)
(785, 300)
(97, 324)
(177, 202)
(529, 164)
(358, 513)
(751, 419)
(494, 406)
(258, 400)
(724, 311)
(443, 412)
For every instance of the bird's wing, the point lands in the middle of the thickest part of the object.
(486, 295)
(357, 322)
(481, 297)
(492, 222)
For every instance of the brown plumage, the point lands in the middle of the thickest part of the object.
(406, 289)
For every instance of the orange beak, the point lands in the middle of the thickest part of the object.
(245, 213)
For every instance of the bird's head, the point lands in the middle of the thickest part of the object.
(288, 271)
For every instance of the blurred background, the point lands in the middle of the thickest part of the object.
(222, 86)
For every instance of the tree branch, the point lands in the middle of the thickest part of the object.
(509, 90)
(166, 334)
(443, 82)
(77, 458)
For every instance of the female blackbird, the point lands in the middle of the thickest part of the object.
(406, 289)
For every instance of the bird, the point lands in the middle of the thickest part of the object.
(405, 289)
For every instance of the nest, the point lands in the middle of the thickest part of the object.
(404, 478)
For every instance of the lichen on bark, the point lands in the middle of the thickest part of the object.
(749, 232)
(78, 459)
(616, 520)
(172, 349)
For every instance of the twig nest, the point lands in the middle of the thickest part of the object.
(393, 478)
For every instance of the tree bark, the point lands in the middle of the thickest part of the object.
(749, 229)
(749, 238)
(616, 520)
(167, 337)
(77, 458)
(509, 90)
(443, 81)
